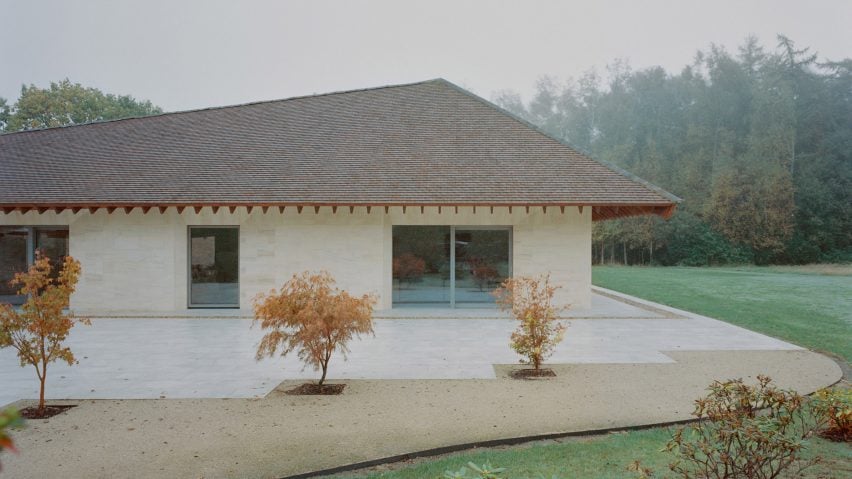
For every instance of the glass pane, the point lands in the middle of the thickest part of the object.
(13, 259)
(214, 266)
(53, 243)
(482, 263)
(421, 265)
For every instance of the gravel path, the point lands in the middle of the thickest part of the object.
(280, 435)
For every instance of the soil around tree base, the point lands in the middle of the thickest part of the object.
(532, 373)
(49, 411)
(836, 436)
(311, 389)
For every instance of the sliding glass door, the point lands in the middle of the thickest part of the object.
(421, 265)
(449, 266)
(18, 245)
(214, 267)
(481, 264)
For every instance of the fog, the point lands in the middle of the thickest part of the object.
(192, 54)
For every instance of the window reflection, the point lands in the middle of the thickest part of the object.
(17, 251)
(214, 267)
(423, 272)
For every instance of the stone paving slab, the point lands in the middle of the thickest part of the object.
(146, 358)
(605, 304)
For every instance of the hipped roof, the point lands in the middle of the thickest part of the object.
(423, 144)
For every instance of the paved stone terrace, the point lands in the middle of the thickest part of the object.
(139, 358)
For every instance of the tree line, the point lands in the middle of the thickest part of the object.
(757, 144)
(65, 103)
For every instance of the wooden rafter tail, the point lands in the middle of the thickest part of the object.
(602, 213)
(668, 211)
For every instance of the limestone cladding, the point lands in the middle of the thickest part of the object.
(138, 262)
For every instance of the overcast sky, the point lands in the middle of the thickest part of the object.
(193, 54)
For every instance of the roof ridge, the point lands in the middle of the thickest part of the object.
(236, 105)
(562, 142)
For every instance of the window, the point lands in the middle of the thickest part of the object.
(214, 267)
(18, 245)
(448, 265)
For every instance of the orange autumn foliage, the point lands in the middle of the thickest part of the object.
(311, 316)
(38, 329)
(408, 267)
(530, 300)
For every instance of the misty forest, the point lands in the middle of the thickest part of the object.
(757, 143)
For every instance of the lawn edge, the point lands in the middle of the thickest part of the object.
(510, 441)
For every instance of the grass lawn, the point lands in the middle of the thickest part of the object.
(810, 306)
(601, 458)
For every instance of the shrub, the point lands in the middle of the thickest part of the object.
(530, 300)
(408, 267)
(483, 272)
(743, 432)
(833, 407)
(312, 317)
(9, 418)
(37, 331)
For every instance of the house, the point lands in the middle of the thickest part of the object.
(423, 193)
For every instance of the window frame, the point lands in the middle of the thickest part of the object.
(32, 232)
(452, 303)
(189, 303)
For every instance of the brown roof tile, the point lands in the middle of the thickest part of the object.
(427, 143)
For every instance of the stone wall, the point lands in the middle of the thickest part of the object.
(138, 262)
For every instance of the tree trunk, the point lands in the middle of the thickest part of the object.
(651, 253)
(324, 371)
(624, 245)
(41, 394)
